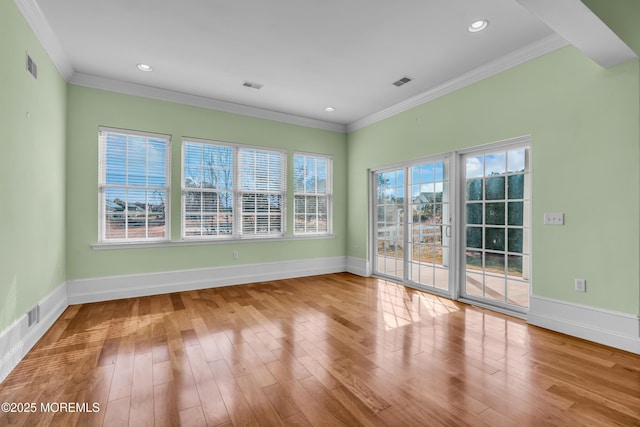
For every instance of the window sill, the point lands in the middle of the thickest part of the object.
(205, 242)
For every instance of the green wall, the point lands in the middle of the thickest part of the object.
(584, 122)
(91, 108)
(32, 164)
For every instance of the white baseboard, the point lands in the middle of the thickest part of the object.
(136, 285)
(615, 329)
(19, 338)
(358, 266)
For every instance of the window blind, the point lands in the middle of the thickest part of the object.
(232, 191)
(262, 192)
(133, 185)
(312, 176)
(207, 190)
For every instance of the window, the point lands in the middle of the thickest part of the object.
(207, 194)
(232, 191)
(312, 194)
(262, 192)
(133, 186)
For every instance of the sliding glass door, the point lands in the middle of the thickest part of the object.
(482, 192)
(413, 231)
(496, 200)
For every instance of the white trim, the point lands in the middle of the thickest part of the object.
(43, 32)
(206, 241)
(509, 143)
(132, 132)
(41, 28)
(18, 339)
(103, 186)
(358, 266)
(493, 307)
(520, 56)
(611, 328)
(97, 82)
(136, 285)
(603, 46)
(328, 193)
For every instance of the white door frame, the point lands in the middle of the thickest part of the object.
(453, 269)
(512, 143)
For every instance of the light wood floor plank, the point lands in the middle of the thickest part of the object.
(332, 350)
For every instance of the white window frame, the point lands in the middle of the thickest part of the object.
(104, 187)
(239, 232)
(327, 195)
(258, 188)
(201, 190)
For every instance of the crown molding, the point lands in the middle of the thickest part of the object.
(97, 82)
(39, 25)
(47, 38)
(517, 57)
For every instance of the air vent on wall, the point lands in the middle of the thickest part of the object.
(33, 316)
(251, 85)
(32, 67)
(402, 81)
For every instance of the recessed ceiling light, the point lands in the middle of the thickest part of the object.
(144, 67)
(329, 109)
(478, 25)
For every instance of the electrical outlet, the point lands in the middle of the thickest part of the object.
(236, 255)
(581, 285)
(554, 218)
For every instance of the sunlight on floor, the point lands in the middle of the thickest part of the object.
(403, 306)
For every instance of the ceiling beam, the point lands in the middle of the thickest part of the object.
(582, 28)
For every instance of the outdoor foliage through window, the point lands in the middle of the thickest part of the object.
(208, 190)
(312, 188)
(231, 190)
(134, 185)
(262, 191)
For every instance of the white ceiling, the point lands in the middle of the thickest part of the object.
(306, 54)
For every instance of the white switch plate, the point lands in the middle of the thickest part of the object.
(554, 218)
(581, 285)
(235, 255)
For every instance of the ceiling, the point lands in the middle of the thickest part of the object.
(306, 54)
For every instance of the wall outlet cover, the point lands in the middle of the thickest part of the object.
(554, 218)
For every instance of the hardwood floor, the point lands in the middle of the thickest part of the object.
(326, 350)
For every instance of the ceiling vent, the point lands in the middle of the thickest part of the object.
(251, 85)
(402, 81)
(32, 67)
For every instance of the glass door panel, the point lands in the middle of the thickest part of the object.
(390, 223)
(496, 227)
(430, 225)
(413, 224)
